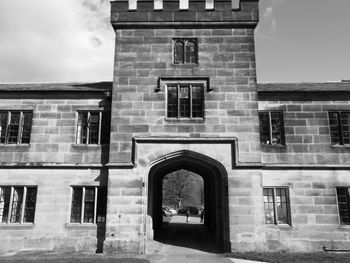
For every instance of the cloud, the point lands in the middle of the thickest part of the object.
(55, 41)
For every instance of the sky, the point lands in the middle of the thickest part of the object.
(73, 41)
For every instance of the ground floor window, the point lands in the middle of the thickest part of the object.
(88, 204)
(344, 205)
(276, 205)
(17, 204)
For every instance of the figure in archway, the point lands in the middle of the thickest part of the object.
(188, 215)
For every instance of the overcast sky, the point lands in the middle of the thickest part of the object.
(72, 40)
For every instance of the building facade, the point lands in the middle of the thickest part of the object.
(82, 164)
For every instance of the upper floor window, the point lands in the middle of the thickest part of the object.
(17, 204)
(271, 127)
(339, 123)
(344, 205)
(15, 126)
(185, 51)
(89, 127)
(276, 206)
(185, 100)
(88, 204)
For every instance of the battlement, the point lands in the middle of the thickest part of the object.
(184, 13)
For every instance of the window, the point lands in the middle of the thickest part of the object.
(17, 204)
(276, 205)
(271, 127)
(15, 126)
(88, 205)
(89, 127)
(185, 100)
(344, 205)
(339, 123)
(185, 51)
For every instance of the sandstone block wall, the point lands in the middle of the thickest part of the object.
(52, 229)
(306, 125)
(314, 211)
(226, 56)
(54, 127)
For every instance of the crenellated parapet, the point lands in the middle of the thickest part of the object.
(184, 13)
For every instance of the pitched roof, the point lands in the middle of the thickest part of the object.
(343, 86)
(49, 87)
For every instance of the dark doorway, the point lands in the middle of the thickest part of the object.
(213, 234)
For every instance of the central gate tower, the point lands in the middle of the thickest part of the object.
(184, 82)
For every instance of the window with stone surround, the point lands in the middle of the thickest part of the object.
(185, 100)
(88, 204)
(89, 127)
(15, 127)
(17, 204)
(276, 205)
(339, 122)
(185, 51)
(271, 127)
(344, 205)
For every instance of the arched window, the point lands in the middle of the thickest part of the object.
(178, 52)
(185, 51)
(191, 53)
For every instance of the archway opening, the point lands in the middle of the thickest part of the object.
(212, 234)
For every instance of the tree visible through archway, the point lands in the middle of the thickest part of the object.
(183, 188)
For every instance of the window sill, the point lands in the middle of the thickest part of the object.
(184, 65)
(189, 120)
(281, 226)
(86, 145)
(16, 226)
(273, 145)
(82, 225)
(340, 145)
(344, 227)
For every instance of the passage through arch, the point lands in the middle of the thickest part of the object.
(215, 194)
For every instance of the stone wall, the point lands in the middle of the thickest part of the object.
(226, 56)
(51, 229)
(53, 135)
(306, 125)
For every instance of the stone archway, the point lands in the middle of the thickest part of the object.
(215, 190)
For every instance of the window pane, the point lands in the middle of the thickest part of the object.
(178, 52)
(101, 205)
(276, 128)
(5, 193)
(282, 206)
(105, 127)
(17, 199)
(94, 120)
(334, 127)
(345, 123)
(343, 204)
(172, 102)
(264, 127)
(269, 206)
(29, 209)
(89, 205)
(76, 205)
(184, 101)
(3, 126)
(27, 126)
(197, 102)
(13, 127)
(191, 52)
(82, 127)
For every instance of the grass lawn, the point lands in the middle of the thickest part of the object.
(71, 259)
(295, 258)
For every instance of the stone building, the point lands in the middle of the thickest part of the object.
(82, 164)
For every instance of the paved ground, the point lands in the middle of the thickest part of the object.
(178, 242)
(186, 242)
